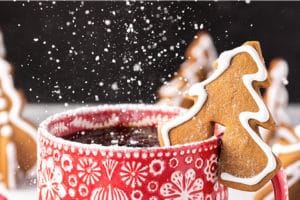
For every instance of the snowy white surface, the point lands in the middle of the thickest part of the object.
(38, 112)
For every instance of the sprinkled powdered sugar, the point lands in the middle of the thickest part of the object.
(262, 115)
(47, 126)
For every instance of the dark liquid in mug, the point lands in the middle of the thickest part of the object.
(120, 136)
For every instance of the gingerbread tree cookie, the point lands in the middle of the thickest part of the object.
(199, 56)
(17, 136)
(276, 98)
(284, 139)
(231, 97)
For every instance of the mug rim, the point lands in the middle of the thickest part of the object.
(43, 130)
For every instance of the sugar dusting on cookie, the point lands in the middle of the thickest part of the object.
(262, 115)
(276, 96)
(200, 56)
(199, 91)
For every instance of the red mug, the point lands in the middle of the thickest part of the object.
(2, 197)
(72, 170)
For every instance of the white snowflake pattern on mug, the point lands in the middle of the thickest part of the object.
(136, 195)
(133, 173)
(199, 163)
(157, 167)
(50, 181)
(183, 187)
(72, 180)
(188, 160)
(152, 186)
(83, 190)
(56, 154)
(88, 170)
(210, 168)
(173, 162)
(66, 163)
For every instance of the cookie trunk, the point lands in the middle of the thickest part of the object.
(243, 158)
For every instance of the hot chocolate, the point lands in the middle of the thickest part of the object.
(120, 136)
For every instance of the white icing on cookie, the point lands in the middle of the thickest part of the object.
(286, 134)
(171, 88)
(3, 117)
(11, 164)
(8, 88)
(293, 172)
(3, 103)
(262, 115)
(6, 130)
(297, 130)
(277, 95)
(12, 115)
(189, 71)
(198, 52)
(285, 149)
(2, 46)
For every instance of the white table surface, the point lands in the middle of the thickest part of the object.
(38, 112)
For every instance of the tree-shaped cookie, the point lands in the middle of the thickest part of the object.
(284, 139)
(17, 136)
(199, 56)
(276, 98)
(231, 97)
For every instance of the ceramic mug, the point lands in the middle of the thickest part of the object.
(72, 170)
(2, 197)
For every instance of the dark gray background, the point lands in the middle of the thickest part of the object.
(109, 52)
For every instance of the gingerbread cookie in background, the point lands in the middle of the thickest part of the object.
(285, 139)
(276, 98)
(230, 96)
(199, 56)
(17, 136)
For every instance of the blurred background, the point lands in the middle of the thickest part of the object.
(118, 52)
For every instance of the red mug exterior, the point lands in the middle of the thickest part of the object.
(2, 197)
(70, 170)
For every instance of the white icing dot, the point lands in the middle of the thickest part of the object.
(3, 103)
(3, 117)
(6, 130)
